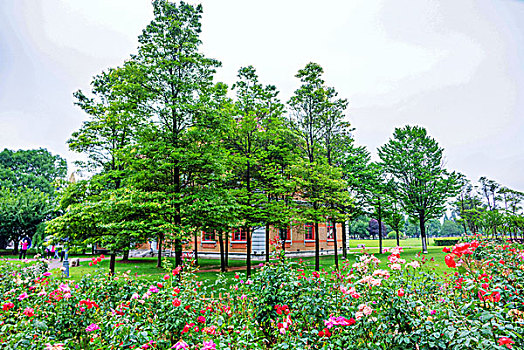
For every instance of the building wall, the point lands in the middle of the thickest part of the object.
(297, 243)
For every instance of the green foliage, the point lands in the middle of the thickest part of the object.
(317, 119)
(22, 212)
(451, 229)
(28, 182)
(359, 227)
(442, 242)
(433, 228)
(414, 160)
(31, 169)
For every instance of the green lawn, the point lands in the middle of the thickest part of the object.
(408, 242)
(145, 268)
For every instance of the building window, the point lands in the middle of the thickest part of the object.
(310, 232)
(285, 234)
(239, 235)
(329, 231)
(208, 236)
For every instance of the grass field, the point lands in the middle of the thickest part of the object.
(145, 268)
(408, 242)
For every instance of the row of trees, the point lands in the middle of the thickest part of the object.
(363, 227)
(490, 208)
(173, 154)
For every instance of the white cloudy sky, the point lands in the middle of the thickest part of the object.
(454, 67)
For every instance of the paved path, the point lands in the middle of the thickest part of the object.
(53, 263)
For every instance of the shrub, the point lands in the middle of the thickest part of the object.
(442, 242)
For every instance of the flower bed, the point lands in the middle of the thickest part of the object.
(478, 305)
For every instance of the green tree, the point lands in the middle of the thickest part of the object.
(378, 200)
(114, 120)
(113, 218)
(450, 228)
(490, 189)
(114, 114)
(395, 218)
(28, 183)
(433, 227)
(357, 173)
(256, 126)
(21, 213)
(468, 205)
(359, 227)
(178, 80)
(316, 114)
(414, 160)
(34, 169)
(337, 142)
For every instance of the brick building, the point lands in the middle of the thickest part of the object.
(300, 239)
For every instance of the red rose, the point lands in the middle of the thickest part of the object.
(450, 261)
(506, 341)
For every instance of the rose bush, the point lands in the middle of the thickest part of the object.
(479, 304)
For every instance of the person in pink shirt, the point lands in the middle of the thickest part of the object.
(24, 245)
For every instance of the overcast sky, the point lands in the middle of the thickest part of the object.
(454, 67)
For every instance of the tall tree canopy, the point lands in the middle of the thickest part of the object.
(316, 117)
(151, 135)
(414, 160)
(33, 169)
(28, 183)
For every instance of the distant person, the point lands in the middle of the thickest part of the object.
(61, 253)
(24, 245)
(48, 252)
(53, 252)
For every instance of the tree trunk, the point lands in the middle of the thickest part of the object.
(398, 235)
(125, 255)
(283, 241)
(248, 252)
(267, 242)
(465, 227)
(222, 257)
(178, 252)
(196, 247)
(336, 243)
(379, 227)
(112, 263)
(317, 248)
(423, 235)
(248, 232)
(159, 248)
(344, 241)
(379, 235)
(227, 250)
(16, 242)
(178, 221)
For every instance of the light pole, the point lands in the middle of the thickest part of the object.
(66, 264)
(66, 258)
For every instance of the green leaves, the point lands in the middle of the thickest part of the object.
(423, 185)
(28, 183)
